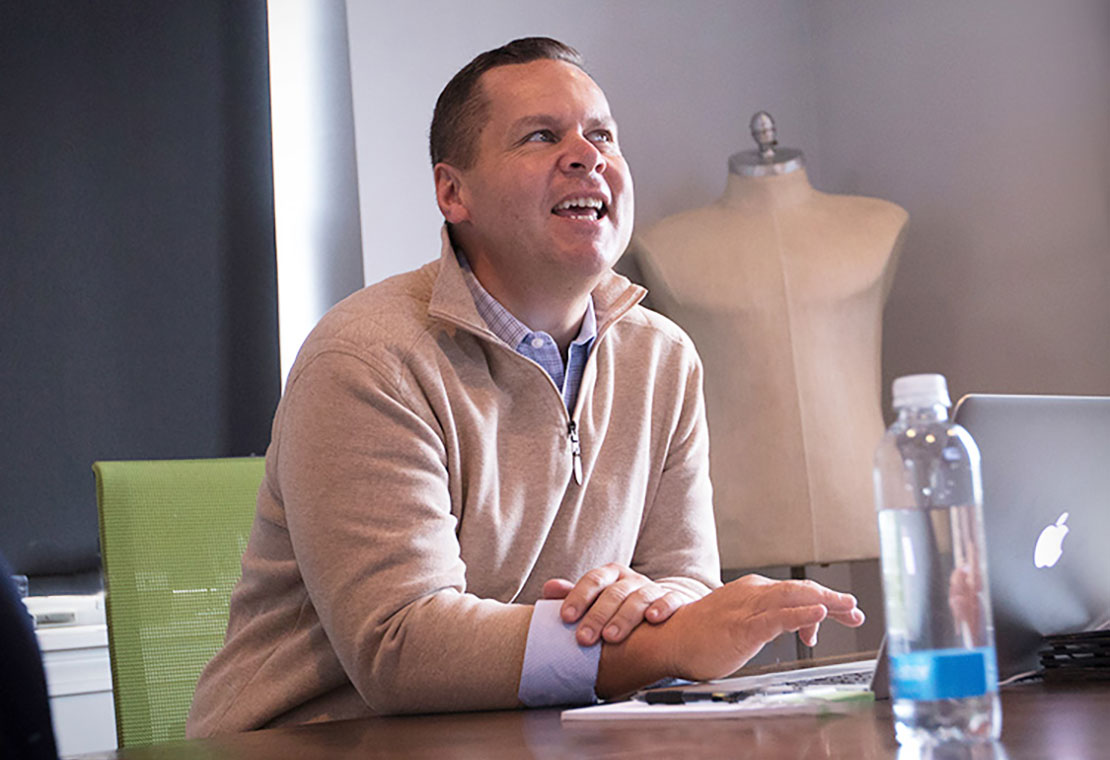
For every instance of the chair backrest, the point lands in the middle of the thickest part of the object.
(172, 534)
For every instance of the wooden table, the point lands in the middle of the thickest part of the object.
(1041, 721)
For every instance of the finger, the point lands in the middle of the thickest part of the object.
(557, 588)
(804, 593)
(755, 632)
(853, 618)
(631, 612)
(586, 591)
(808, 634)
(663, 607)
(605, 607)
(789, 619)
(770, 624)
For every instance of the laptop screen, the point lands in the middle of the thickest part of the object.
(1046, 513)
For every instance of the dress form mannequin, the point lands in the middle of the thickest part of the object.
(782, 289)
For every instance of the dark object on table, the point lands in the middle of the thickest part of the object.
(1077, 656)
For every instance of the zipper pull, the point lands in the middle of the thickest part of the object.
(575, 451)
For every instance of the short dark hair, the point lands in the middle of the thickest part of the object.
(461, 108)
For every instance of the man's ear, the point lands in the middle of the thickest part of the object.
(450, 194)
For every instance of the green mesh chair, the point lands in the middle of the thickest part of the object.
(171, 537)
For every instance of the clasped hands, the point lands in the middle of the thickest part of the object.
(611, 601)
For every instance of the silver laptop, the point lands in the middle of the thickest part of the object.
(1046, 513)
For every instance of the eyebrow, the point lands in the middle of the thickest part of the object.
(546, 120)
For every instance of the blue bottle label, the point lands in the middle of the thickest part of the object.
(943, 673)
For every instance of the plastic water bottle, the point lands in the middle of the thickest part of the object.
(940, 635)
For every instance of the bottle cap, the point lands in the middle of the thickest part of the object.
(921, 390)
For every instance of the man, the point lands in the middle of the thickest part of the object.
(503, 425)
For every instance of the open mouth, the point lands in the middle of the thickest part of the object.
(582, 208)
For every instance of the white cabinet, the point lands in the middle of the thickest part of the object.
(78, 671)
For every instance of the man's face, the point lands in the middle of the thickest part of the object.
(549, 196)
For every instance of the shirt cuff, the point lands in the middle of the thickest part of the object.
(557, 671)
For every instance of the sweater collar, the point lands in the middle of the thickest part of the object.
(452, 301)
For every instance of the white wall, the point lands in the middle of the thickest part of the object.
(989, 122)
(316, 221)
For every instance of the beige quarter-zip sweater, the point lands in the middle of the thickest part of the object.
(419, 490)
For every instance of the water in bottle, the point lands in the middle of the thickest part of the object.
(940, 635)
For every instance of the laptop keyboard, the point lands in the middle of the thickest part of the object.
(857, 678)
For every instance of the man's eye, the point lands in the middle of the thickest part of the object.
(602, 135)
(541, 135)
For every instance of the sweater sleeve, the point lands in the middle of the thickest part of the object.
(677, 546)
(364, 485)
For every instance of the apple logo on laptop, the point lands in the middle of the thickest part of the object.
(1050, 543)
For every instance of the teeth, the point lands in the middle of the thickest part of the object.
(582, 202)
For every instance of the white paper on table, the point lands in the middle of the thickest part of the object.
(815, 701)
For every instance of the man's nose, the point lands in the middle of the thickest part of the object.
(581, 154)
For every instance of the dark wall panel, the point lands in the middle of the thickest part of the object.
(138, 314)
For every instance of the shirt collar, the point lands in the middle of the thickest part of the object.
(502, 322)
(452, 301)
